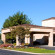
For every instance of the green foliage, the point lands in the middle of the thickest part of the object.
(0, 35)
(16, 19)
(36, 50)
(9, 38)
(27, 30)
(26, 43)
(1, 42)
(20, 31)
(14, 44)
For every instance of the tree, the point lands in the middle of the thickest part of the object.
(10, 39)
(0, 35)
(20, 31)
(17, 19)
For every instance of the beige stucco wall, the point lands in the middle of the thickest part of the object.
(48, 23)
(33, 29)
(41, 30)
(3, 38)
(35, 37)
(39, 36)
(5, 30)
(27, 40)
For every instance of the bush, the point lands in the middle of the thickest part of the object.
(22, 44)
(26, 44)
(6, 45)
(1, 42)
(14, 44)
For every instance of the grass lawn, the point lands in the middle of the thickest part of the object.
(35, 50)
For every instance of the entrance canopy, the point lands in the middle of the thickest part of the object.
(34, 29)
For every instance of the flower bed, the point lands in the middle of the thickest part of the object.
(5, 45)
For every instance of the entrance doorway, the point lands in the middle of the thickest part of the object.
(39, 38)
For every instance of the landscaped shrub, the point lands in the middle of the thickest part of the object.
(14, 44)
(6, 45)
(22, 44)
(1, 42)
(26, 44)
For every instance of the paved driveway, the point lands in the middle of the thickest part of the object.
(6, 52)
(46, 47)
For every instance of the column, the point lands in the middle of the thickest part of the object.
(31, 39)
(27, 38)
(50, 39)
(17, 40)
(3, 38)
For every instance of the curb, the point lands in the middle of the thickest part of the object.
(25, 52)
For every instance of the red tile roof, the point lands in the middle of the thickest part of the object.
(53, 18)
(34, 26)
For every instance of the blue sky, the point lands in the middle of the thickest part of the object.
(37, 10)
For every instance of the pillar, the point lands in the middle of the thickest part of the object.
(31, 39)
(27, 38)
(17, 40)
(50, 39)
(3, 38)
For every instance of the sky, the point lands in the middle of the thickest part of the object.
(37, 10)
